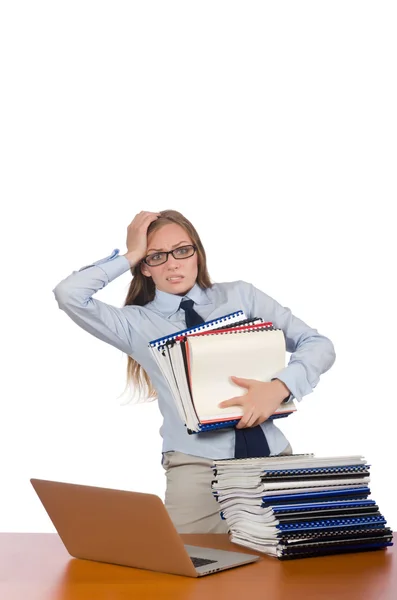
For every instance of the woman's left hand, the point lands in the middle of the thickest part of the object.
(260, 402)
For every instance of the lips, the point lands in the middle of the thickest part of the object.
(175, 279)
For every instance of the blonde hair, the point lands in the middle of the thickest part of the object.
(142, 290)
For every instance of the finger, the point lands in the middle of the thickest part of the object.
(149, 216)
(141, 218)
(248, 418)
(252, 421)
(237, 401)
(258, 421)
(261, 419)
(244, 420)
(144, 214)
(245, 383)
(146, 220)
(149, 219)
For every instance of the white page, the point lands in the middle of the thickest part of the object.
(214, 358)
(166, 369)
(176, 356)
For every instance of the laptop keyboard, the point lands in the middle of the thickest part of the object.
(200, 562)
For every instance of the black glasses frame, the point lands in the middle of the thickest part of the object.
(170, 252)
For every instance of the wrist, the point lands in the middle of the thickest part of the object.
(281, 390)
(132, 258)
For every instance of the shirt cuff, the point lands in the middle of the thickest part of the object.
(113, 265)
(295, 378)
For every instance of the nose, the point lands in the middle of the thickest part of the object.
(172, 262)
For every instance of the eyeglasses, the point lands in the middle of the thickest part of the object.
(159, 258)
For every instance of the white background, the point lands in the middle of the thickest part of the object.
(272, 127)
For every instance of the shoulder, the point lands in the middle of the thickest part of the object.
(233, 294)
(238, 286)
(231, 285)
(246, 296)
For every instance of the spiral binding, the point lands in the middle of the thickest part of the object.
(160, 341)
(323, 534)
(331, 523)
(246, 322)
(353, 503)
(302, 509)
(212, 426)
(250, 329)
(374, 540)
(226, 424)
(269, 473)
(342, 547)
(307, 496)
(184, 338)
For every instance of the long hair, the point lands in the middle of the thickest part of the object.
(142, 290)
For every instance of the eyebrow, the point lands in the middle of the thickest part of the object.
(162, 249)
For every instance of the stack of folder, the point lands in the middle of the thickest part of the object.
(301, 505)
(197, 363)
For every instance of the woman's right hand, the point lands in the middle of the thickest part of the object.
(137, 235)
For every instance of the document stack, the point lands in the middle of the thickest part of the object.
(301, 505)
(199, 362)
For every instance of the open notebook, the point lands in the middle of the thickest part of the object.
(198, 363)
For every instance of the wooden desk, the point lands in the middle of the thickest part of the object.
(36, 566)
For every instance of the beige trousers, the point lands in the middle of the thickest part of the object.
(188, 496)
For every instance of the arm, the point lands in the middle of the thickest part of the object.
(312, 354)
(75, 297)
(74, 294)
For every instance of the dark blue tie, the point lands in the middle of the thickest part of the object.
(192, 318)
(250, 441)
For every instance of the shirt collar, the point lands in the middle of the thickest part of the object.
(168, 304)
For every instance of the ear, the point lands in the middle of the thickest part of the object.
(144, 269)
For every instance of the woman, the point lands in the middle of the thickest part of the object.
(168, 264)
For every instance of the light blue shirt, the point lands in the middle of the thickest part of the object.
(130, 329)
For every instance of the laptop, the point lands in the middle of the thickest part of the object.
(132, 529)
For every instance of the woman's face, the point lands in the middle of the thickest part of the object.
(175, 276)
